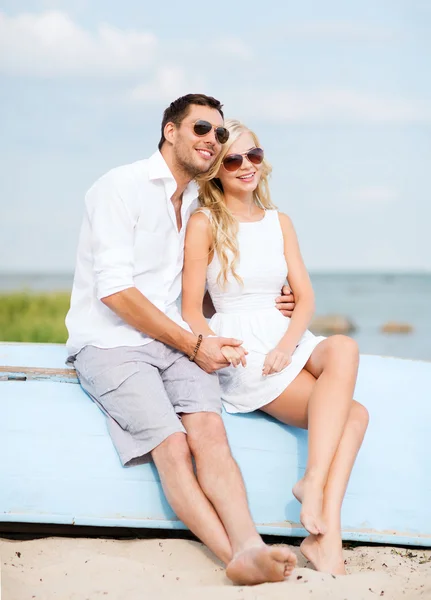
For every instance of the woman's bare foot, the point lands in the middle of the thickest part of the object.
(261, 564)
(310, 495)
(325, 552)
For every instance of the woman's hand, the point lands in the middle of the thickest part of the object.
(276, 361)
(236, 356)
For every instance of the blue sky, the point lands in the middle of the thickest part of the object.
(339, 93)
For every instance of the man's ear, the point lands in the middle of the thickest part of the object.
(169, 132)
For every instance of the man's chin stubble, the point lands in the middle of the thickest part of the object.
(193, 170)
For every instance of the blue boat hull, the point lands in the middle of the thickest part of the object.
(59, 465)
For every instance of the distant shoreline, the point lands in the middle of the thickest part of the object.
(368, 300)
(69, 274)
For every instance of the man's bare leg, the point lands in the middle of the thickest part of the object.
(221, 481)
(174, 465)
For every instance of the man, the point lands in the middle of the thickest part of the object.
(136, 357)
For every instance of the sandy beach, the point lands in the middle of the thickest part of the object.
(87, 569)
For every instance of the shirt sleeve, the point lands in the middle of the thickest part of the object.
(112, 235)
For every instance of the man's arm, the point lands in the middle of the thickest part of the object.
(136, 310)
(112, 230)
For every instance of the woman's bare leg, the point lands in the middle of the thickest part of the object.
(325, 551)
(334, 364)
(292, 407)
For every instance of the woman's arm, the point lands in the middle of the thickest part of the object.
(302, 289)
(197, 256)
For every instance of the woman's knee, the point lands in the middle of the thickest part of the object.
(360, 414)
(341, 349)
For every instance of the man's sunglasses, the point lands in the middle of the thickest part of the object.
(201, 128)
(232, 162)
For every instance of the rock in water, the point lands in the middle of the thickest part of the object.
(332, 324)
(394, 327)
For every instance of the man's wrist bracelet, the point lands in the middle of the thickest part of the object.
(195, 351)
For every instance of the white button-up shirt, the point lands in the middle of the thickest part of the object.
(129, 238)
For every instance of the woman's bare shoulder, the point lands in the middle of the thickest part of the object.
(285, 221)
(200, 220)
(199, 230)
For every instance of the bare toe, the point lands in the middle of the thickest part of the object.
(310, 494)
(312, 524)
(285, 555)
(261, 564)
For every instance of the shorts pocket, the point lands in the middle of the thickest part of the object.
(107, 389)
(111, 379)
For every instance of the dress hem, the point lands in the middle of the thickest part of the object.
(275, 392)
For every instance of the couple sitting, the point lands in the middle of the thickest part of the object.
(198, 212)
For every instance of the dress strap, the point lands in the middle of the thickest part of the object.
(205, 211)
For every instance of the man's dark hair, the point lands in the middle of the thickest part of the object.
(179, 109)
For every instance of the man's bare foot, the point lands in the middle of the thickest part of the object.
(325, 552)
(311, 497)
(261, 564)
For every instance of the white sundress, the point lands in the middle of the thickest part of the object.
(248, 312)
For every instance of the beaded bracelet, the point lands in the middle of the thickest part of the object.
(195, 351)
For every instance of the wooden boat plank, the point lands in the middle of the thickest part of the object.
(40, 374)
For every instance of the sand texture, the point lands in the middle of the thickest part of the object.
(87, 569)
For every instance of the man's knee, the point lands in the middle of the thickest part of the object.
(174, 451)
(206, 433)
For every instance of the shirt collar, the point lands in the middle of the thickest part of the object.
(158, 169)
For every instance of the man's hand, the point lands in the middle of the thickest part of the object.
(210, 358)
(276, 361)
(236, 356)
(286, 302)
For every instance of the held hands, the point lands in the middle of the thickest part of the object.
(210, 357)
(235, 356)
(276, 361)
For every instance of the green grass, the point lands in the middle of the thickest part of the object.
(28, 317)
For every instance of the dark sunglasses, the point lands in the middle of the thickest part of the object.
(201, 128)
(232, 162)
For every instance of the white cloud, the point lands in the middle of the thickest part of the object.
(375, 195)
(166, 84)
(336, 105)
(233, 47)
(51, 44)
(340, 31)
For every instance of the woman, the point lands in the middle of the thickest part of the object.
(243, 248)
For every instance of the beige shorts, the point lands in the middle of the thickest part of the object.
(143, 390)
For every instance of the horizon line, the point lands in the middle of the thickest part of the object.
(328, 271)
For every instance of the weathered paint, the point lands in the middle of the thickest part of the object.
(59, 465)
(38, 374)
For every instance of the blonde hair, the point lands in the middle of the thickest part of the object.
(224, 224)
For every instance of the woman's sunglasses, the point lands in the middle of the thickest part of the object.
(232, 162)
(201, 128)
